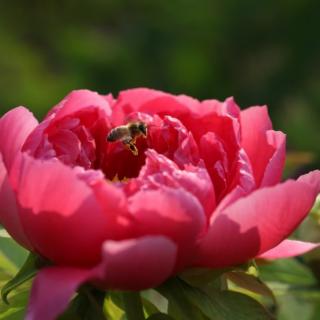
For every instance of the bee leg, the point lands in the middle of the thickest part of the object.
(130, 145)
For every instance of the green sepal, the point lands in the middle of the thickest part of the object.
(27, 271)
(186, 302)
(87, 305)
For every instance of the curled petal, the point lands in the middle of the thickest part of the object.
(78, 100)
(256, 118)
(67, 146)
(15, 126)
(216, 160)
(313, 179)
(254, 224)
(265, 148)
(288, 249)
(274, 168)
(160, 171)
(226, 108)
(242, 174)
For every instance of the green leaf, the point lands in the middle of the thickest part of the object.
(296, 305)
(158, 301)
(218, 305)
(199, 277)
(149, 308)
(182, 304)
(111, 310)
(13, 252)
(87, 305)
(7, 267)
(288, 271)
(250, 283)
(160, 316)
(234, 305)
(28, 270)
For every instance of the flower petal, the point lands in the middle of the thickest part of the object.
(313, 179)
(9, 215)
(15, 126)
(288, 248)
(241, 174)
(80, 99)
(113, 201)
(52, 290)
(254, 224)
(145, 100)
(274, 168)
(254, 117)
(160, 171)
(67, 146)
(62, 217)
(265, 148)
(128, 265)
(137, 264)
(174, 213)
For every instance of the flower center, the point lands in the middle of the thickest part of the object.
(124, 159)
(88, 140)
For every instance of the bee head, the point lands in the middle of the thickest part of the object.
(143, 128)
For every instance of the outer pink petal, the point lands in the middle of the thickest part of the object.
(80, 99)
(225, 108)
(138, 263)
(15, 126)
(52, 290)
(174, 213)
(273, 171)
(149, 101)
(257, 118)
(60, 213)
(128, 265)
(289, 248)
(265, 148)
(9, 215)
(313, 179)
(254, 224)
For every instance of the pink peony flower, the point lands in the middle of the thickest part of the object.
(204, 190)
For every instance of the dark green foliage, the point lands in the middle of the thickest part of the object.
(261, 52)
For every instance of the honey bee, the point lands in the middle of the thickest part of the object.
(128, 135)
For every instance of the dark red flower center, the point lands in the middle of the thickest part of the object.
(81, 140)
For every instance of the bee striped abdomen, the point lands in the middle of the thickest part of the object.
(117, 133)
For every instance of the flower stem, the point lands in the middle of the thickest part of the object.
(133, 305)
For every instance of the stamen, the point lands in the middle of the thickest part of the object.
(116, 179)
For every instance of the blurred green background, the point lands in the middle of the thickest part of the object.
(261, 52)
